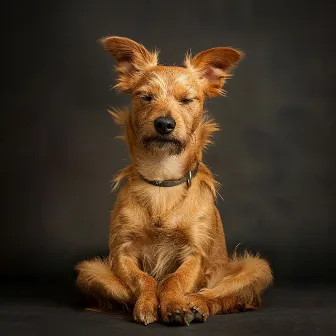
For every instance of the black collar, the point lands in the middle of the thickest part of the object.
(172, 183)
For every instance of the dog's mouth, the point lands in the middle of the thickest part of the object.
(161, 140)
(168, 143)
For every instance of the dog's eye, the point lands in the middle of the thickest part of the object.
(147, 98)
(186, 101)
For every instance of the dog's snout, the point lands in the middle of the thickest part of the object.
(164, 125)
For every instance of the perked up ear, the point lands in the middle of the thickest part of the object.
(132, 59)
(212, 67)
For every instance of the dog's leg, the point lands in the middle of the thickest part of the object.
(239, 290)
(96, 279)
(172, 290)
(143, 286)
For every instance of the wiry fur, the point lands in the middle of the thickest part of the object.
(168, 255)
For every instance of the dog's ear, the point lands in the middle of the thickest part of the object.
(132, 59)
(212, 67)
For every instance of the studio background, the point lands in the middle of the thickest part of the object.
(275, 154)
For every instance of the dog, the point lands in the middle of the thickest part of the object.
(167, 253)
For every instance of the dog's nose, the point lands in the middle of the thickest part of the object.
(164, 125)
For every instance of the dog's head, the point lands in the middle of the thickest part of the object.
(167, 101)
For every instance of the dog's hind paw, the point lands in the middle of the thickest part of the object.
(198, 306)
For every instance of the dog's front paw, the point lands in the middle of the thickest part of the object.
(176, 311)
(199, 307)
(146, 309)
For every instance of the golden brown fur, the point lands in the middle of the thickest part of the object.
(168, 256)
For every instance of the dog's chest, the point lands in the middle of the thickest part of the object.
(163, 248)
(163, 202)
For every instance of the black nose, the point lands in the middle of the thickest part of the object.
(164, 125)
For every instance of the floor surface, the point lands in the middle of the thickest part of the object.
(300, 311)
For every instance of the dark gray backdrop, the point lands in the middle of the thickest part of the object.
(274, 156)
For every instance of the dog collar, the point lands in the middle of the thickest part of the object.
(172, 183)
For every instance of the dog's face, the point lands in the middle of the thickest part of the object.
(167, 106)
(167, 101)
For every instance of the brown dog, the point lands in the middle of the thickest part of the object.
(168, 255)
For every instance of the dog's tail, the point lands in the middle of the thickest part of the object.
(96, 279)
(245, 278)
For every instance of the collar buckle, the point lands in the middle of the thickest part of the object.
(189, 177)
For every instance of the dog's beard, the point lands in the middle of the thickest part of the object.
(163, 145)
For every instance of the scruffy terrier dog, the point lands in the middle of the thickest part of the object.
(167, 252)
